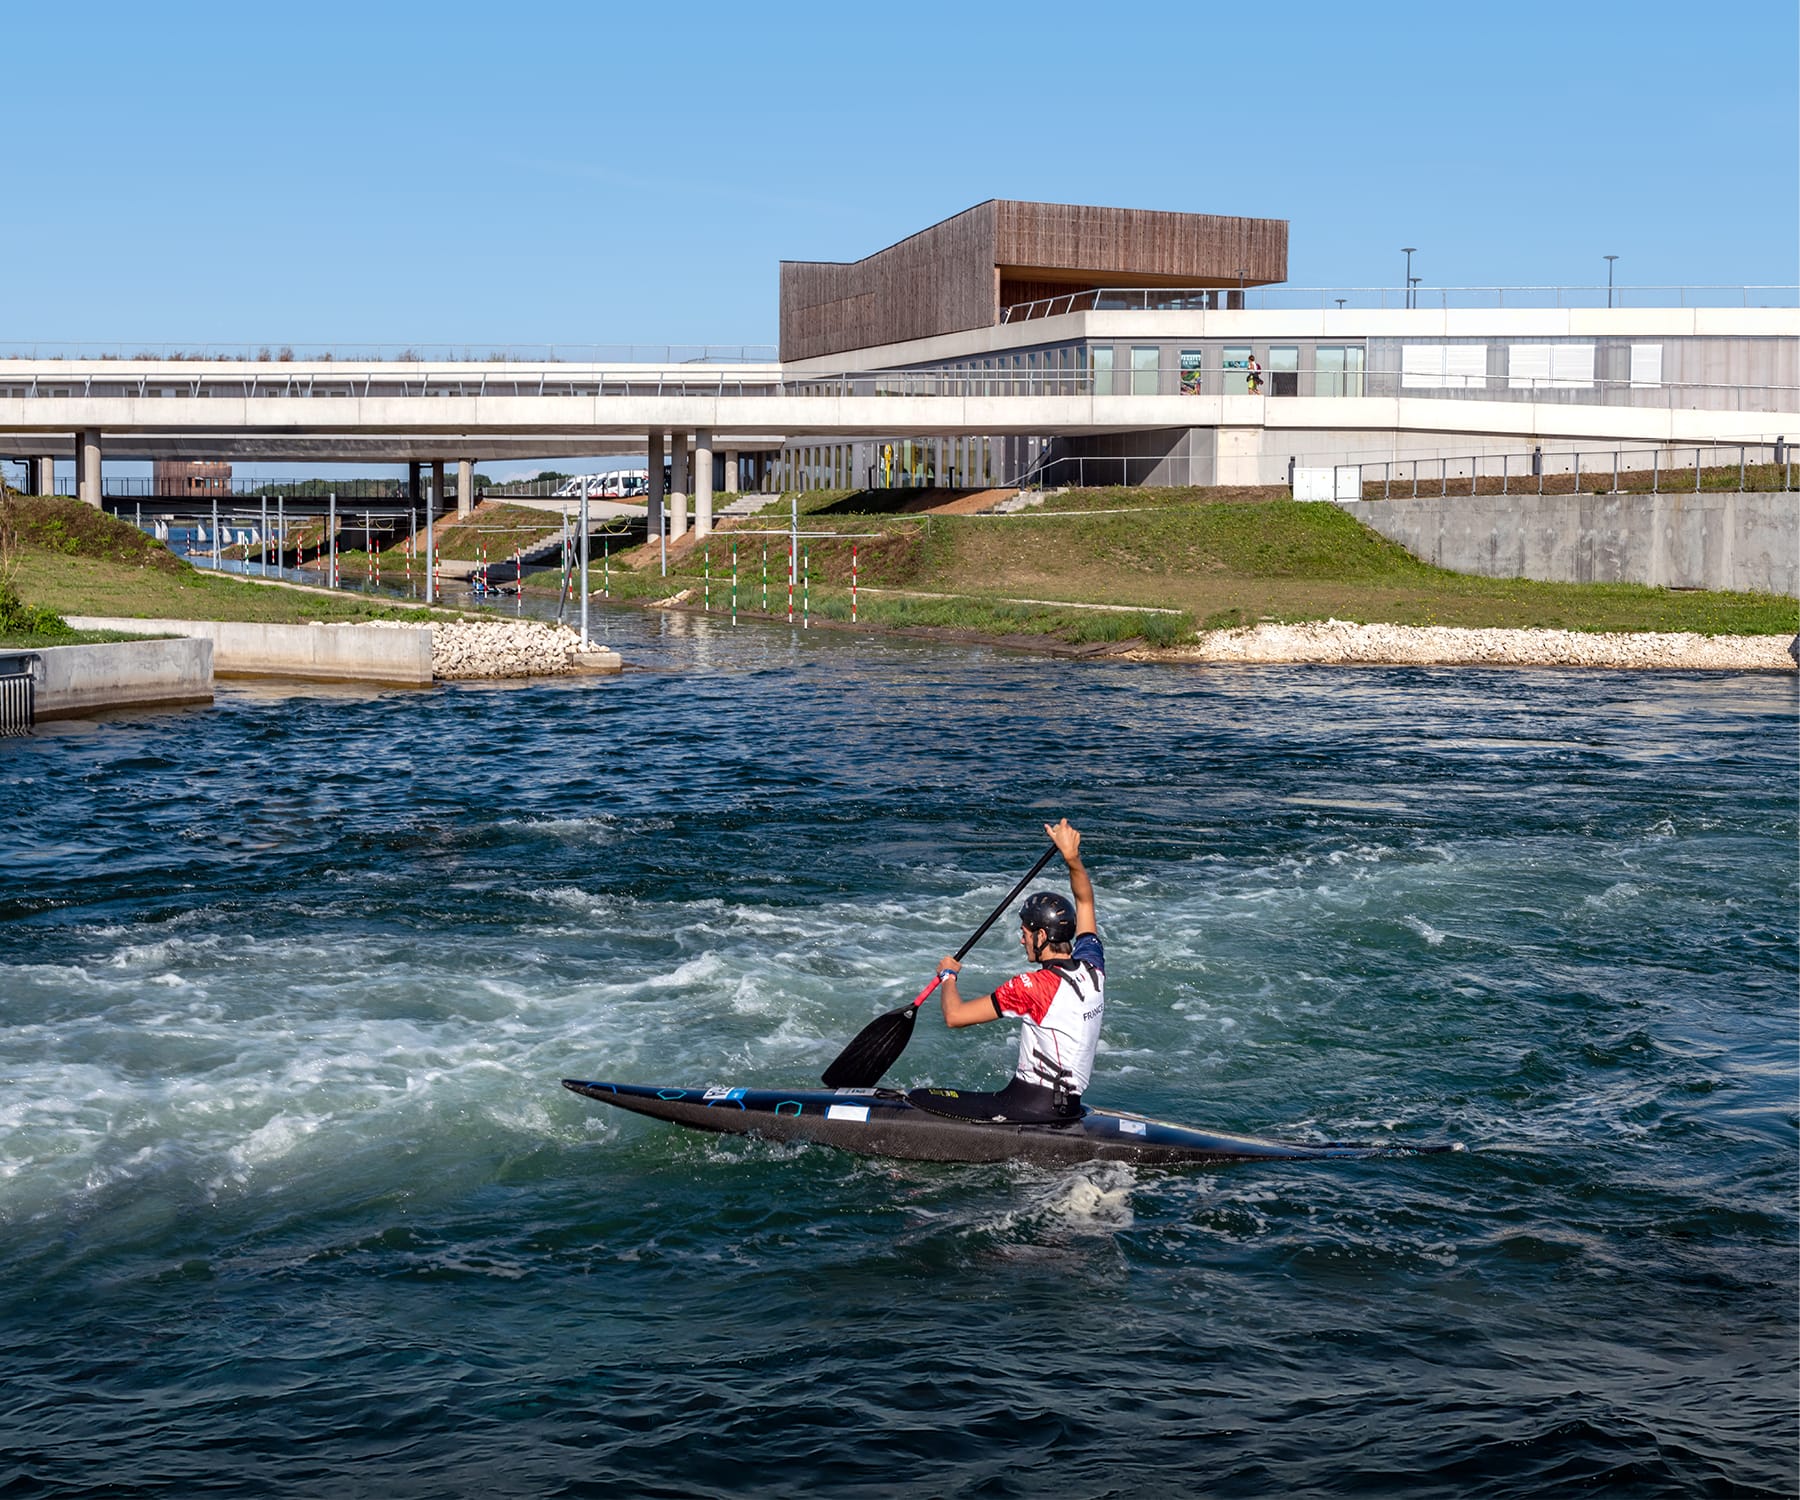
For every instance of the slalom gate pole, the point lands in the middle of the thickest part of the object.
(853, 583)
(706, 589)
(765, 608)
(519, 567)
(806, 587)
(606, 565)
(734, 583)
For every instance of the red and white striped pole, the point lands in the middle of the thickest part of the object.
(853, 583)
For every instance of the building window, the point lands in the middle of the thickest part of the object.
(1443, 367)
(1646, 366)
(1144, 372)
(1555, 367)
(1101, 367)
(1284, 369)
(1192, 363)
(1339, 370)
(1236, 364)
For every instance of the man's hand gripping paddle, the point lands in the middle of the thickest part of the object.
(877, 1047)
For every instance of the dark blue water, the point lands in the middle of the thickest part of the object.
(291, 1202)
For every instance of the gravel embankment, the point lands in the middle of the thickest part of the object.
(464, 650)
(1340, 642)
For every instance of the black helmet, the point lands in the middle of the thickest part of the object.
(1050, 912)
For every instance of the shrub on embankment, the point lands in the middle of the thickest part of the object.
(24, 624)
(57, 524)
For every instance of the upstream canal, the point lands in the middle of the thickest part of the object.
(291, 1202)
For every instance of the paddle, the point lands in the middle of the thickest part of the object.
(878, 1045)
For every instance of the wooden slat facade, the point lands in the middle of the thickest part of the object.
(958, 273)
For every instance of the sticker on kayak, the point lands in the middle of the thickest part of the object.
(865, 1093)
(1131, 1127)
(718, 1092)
(847, 1112)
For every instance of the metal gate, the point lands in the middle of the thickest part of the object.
(18, 693)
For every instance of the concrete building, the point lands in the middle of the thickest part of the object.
(1012, 343)
(964, 272)
(190, 478)
(1113, 303)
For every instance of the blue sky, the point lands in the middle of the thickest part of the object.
(579, 173)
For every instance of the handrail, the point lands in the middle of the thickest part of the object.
(468, 353)
(964, 384)
(1394, 299)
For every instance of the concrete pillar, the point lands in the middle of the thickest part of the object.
(678, 486)
(654, 459)
(46, 476)
(465, 486)
(87, 468)
(731, 471)
(437, 485)
(703, 476)
(414, 489)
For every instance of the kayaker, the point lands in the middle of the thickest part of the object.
(1060, 1004)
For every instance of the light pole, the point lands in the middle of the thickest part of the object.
(1609, 259)
(1407, 251)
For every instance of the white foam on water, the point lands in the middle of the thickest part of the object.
(1098, 1198)
(1432, 935)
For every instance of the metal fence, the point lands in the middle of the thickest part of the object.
(1708, 468)
(1366, 298)
(18, 693)
(419, 353)
(1715, 467)
(1030, 373)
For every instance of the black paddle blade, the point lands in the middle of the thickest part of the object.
(873, 1051)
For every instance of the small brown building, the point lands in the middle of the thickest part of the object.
(961, 273)
(177, 476)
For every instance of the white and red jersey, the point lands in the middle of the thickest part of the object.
(1061, 1005)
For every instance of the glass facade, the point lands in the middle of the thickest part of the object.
(1284, 369)
(1145, 368)
(1340, 370)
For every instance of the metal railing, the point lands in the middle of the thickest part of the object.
(1229, 298)
(1666, 470)
(402, 353)
(18, 692)
(1018, 378)
(1669, 470)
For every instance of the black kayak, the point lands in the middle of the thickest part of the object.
(883, 1122)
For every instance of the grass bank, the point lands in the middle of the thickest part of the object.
(59, 557)
(1090, 566)
(1213, 558)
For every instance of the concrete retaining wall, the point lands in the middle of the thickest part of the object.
(1713, 541)
(76, 680)
(327, 653)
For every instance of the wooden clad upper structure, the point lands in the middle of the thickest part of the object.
(959, 273)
